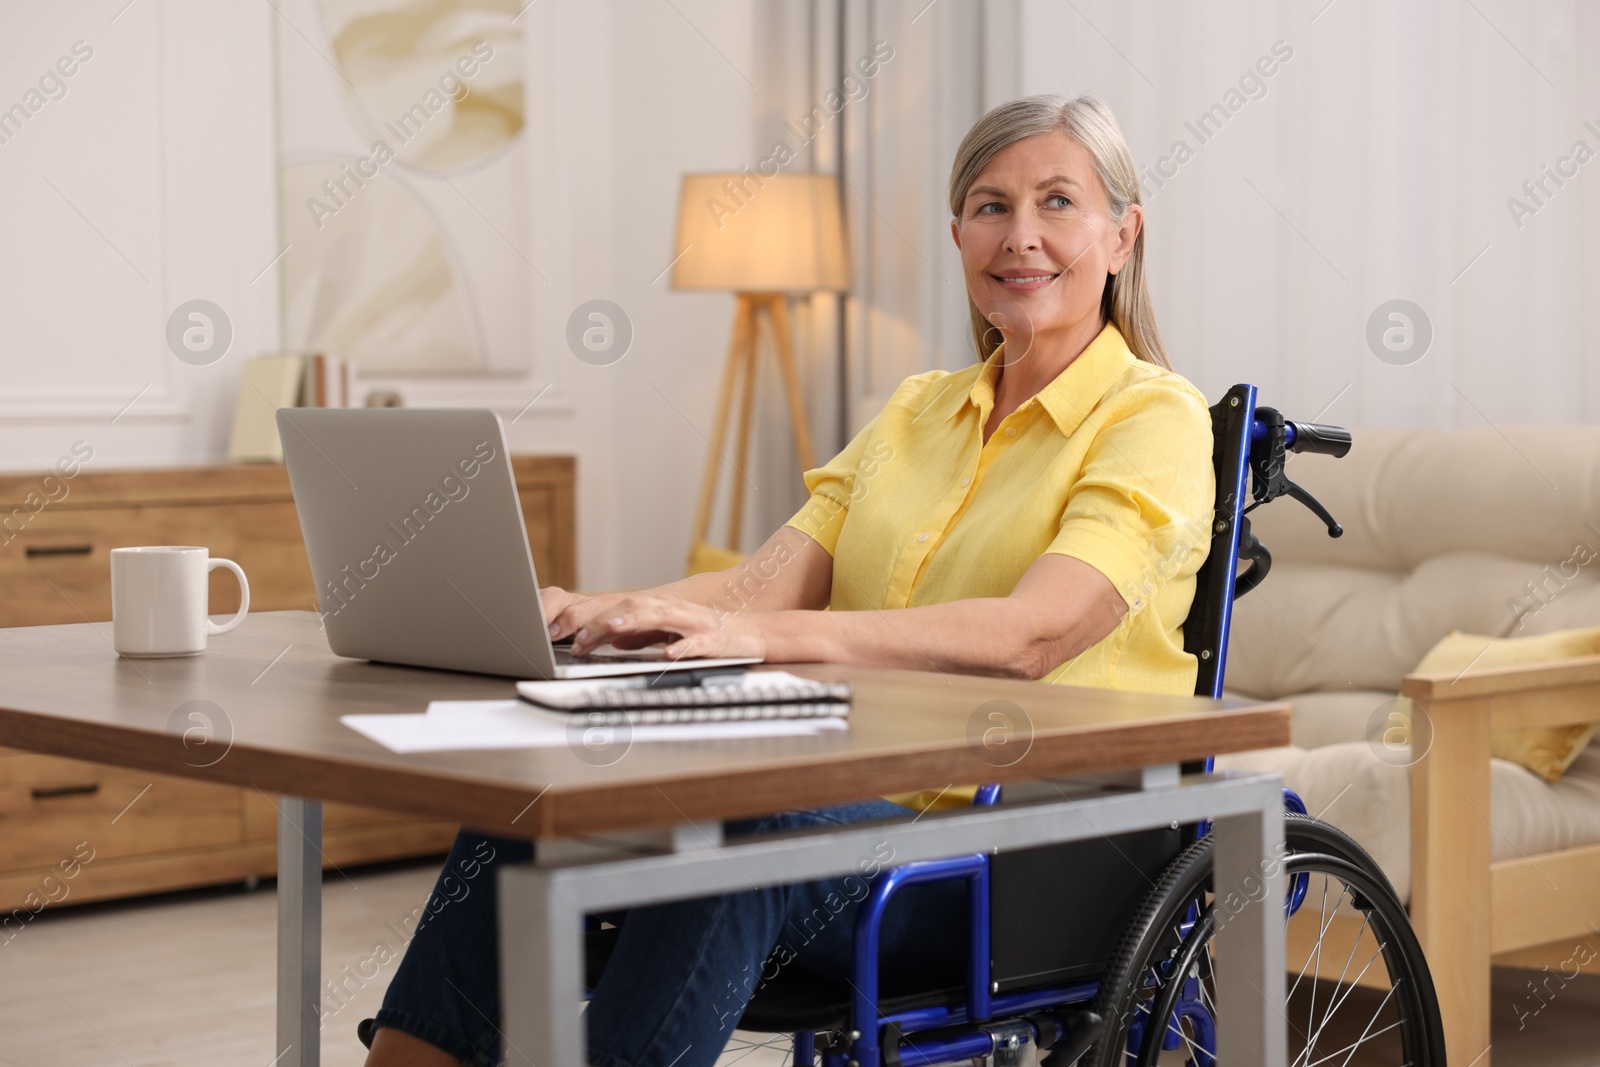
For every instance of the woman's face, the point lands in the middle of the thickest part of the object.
(1037, 241)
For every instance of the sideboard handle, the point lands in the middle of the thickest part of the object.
(58, 550)
(66, 791)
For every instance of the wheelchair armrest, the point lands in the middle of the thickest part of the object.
(869, 919)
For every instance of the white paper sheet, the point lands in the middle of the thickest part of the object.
(453, 725)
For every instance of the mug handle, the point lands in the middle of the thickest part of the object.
(244, 597)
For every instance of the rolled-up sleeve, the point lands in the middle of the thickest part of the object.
(1140, 511)
(832, 486)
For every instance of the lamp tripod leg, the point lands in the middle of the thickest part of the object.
(791, 383)
(743, 321)
(747, 405)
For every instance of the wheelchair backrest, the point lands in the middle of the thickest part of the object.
(1205, 630)
(1249, 443)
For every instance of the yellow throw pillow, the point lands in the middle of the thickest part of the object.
(704, 557)
(1546, 751)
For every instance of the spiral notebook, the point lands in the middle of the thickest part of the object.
(633, 701)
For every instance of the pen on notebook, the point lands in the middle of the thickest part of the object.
(680, 679)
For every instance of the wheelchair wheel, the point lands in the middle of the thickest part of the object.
(1359, 988)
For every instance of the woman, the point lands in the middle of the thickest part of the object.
(1039, 515)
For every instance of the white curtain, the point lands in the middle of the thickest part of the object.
(912, 77)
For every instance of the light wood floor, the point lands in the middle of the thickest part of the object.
(187, 979)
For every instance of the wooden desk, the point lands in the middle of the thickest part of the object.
(64, 692)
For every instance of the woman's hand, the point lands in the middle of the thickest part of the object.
(570, 614)
(636, 620)
(566, 611)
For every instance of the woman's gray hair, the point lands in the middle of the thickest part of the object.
(1125, 302)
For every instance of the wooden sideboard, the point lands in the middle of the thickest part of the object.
(55, 540)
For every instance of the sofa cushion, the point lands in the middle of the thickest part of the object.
(1545, 751)
(1320, 719)
(1443, 530)
(1405, 496)
(1370, 799)
(1347, 785)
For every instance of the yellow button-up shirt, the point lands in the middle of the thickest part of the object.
(1110, 464)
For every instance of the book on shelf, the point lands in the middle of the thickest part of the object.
(279, 381)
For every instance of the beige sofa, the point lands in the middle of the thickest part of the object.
(1443, 531)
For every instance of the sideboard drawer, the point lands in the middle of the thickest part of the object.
(268, 545)
(60, 564)
(58, 567)
(49, 805)
(261, 817)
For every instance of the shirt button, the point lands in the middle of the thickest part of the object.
(965, 482)
(922, 537)
(1011, 431)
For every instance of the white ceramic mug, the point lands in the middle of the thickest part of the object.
(159, 600)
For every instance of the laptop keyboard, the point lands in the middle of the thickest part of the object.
(565, 658)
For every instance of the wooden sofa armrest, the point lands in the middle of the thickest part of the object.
(1558, 693)
(1455, 715)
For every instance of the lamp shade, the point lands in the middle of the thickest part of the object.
(745, 233)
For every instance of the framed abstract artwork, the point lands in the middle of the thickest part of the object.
(401, 185)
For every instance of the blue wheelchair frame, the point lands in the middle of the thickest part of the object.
(1245, 439)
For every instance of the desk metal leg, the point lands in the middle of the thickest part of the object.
(1248, 875)
(299, 932)
(541, 970)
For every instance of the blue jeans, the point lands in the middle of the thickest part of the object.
(681, 973)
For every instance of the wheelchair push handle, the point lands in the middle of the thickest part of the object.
(1272, 437)
(1301, 436)
(1316, 437)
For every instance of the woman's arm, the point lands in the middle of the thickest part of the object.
(790, 572)
(1060, 607)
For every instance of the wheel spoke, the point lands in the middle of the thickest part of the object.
(1316, 952)
(1366, 920)
(1194, 1049)
(1368, 1029)
(745, 1047)
(1351, 988)
(1205, 987)
(1316, 949)
(1316, 1032)
(1350, 1048)
(1358, 1042)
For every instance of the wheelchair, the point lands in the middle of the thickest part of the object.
(1125, 978)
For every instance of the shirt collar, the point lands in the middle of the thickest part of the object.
(1073, 393)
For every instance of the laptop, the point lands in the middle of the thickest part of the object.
(418, 549)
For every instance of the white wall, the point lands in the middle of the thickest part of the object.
(162, 152)
(147, 184)
(1376, 166)
(623, 99)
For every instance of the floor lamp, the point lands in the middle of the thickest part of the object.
(761, 238)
